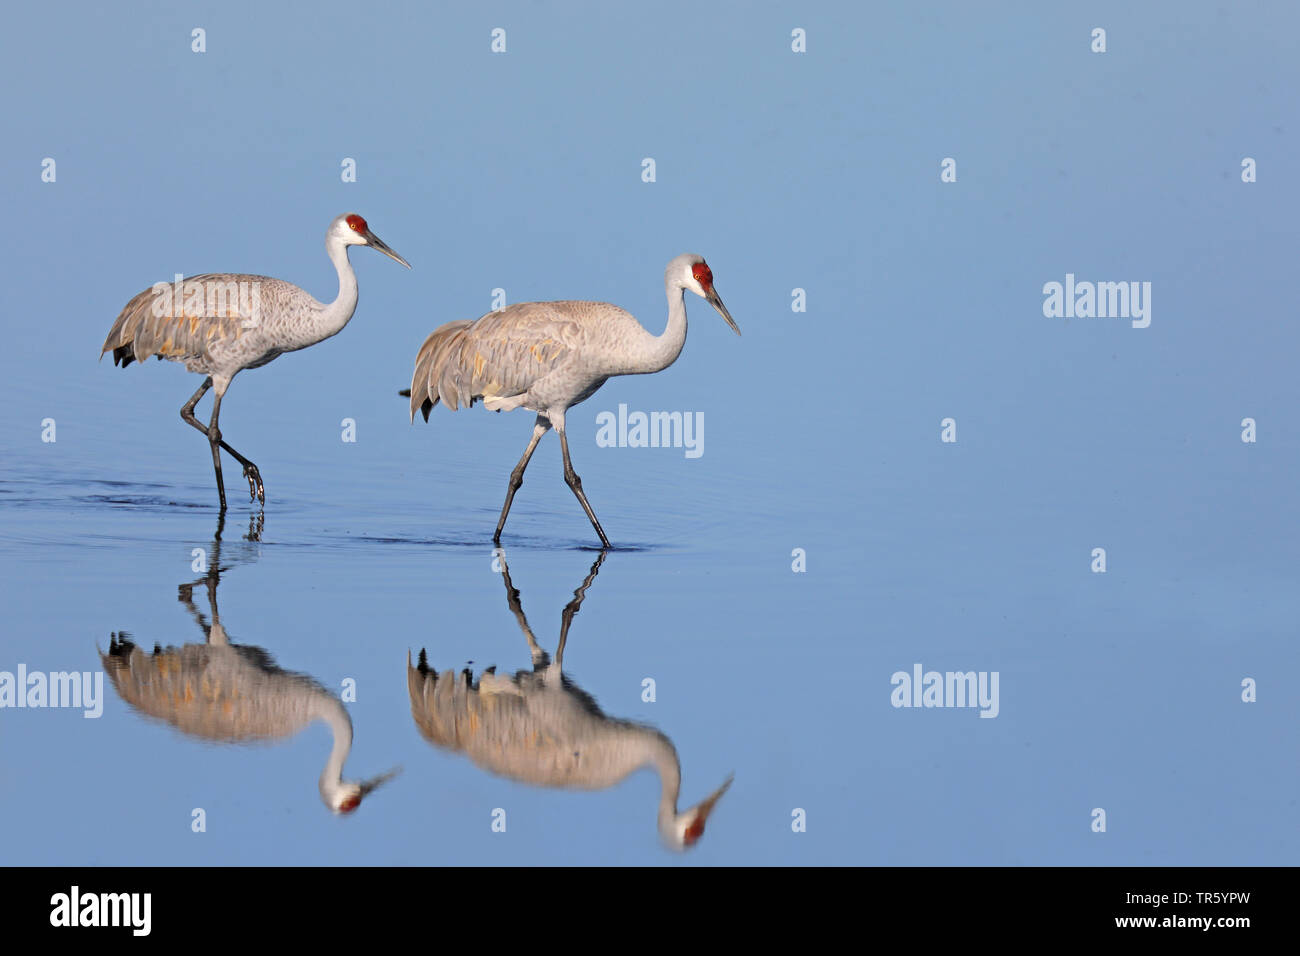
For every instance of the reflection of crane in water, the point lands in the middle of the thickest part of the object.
(540, 728)
(233, 693)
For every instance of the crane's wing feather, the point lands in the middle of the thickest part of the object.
(495, 358)
(231, 693)
(432, 356)
(211, 307)
(528, 729)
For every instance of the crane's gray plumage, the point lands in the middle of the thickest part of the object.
(538, 727)
(531, 352)
(262, 319)
(548, 357)
(218, 691)
(233, 693)
(218, 345)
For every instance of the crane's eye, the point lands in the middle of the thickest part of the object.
(356, 223)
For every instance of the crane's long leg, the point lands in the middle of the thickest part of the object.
(255, 488)
(540, 428)
(573, 481)
(187, 415)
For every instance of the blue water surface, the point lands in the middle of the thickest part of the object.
(827, 537)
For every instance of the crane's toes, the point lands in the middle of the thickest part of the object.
(255, 487)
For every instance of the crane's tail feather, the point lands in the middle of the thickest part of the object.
(123, 355)
(435, 378)
(150, 325)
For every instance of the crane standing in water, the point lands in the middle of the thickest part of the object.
(541, 728)
(548, 357)
(217, 335)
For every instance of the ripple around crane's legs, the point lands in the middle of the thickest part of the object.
(523, 543)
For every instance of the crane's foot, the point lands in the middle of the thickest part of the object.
(256, 491)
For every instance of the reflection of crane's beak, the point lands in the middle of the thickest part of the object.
(716, 302)
(706, 806)
(382, 246)
(374, 782)
(699, 815)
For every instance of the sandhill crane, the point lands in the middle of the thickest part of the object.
(548, 357)
(233, 693)
(538, 727)
(220, 324)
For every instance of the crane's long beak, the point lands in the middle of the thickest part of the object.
(382, 246)
(695, 818)
(383, 778)
(705, 806)
(715, 301)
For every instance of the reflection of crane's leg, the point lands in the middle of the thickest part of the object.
(573, 481)
(250, 470)
(570, 609)
(517, 476)
(517, 609)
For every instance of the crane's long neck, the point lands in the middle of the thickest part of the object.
(664, 758)
(330, 709)
(664, 349)
(339, 312)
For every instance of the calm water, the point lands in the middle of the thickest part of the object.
(1112, 694)
(1120, 691)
